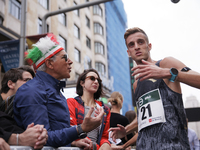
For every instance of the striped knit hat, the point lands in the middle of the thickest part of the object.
(45, 48)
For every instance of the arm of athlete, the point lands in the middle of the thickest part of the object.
(150, 70)
(121, 131)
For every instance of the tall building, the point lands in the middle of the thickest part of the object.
(86, 34)
(118, 60)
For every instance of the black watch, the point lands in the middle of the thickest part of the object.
(81, 134)
(174, 73)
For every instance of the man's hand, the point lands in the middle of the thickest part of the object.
(42, 139)
(149, 70)
(91, 123)
(85, 144)
(34, 136)
(117, 132)
(4, 145)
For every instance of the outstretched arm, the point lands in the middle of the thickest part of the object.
(127, 144)
(121, 131)
(149, 70)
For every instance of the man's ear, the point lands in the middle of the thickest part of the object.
(128, 52)
(149, 46)
(11, 84)
(49, 63)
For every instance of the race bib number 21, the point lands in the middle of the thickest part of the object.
(150, 109)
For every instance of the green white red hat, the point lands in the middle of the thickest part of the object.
(45, 48)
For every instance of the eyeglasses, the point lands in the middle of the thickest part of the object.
(65, 56)
(26, 79)
(93, 78)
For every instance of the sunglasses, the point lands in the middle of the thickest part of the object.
(92, 78)
(65, 56)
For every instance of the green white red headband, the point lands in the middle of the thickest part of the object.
(45, 48)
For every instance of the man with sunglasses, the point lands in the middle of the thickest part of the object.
(40, 100)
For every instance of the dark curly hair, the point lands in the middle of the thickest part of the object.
(79, 88)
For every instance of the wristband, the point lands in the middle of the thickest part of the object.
(185, 69)
(17, 136)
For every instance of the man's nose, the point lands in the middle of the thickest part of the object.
(136, 45)
(70, 61)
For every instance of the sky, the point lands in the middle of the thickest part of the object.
(173, 30)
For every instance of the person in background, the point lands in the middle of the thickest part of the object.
(116, 101)
(12, 80)
(10, 134)
(40, 100)
(193, 139)
(161, 118)
(130, 115)
(89, 88)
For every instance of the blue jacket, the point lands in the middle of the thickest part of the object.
(40, 101)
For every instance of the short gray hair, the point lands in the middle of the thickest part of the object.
(43, 67)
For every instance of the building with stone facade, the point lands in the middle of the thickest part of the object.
(83, 34)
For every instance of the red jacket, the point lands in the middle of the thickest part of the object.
(76, 109)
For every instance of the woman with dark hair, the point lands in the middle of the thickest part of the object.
(89, 89)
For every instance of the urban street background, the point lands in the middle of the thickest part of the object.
(173, 30)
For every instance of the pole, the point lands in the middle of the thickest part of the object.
(22, 33)
(44, 25)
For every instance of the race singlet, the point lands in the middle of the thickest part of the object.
(150, 109)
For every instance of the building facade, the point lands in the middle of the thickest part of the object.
(118, 60)
(84, 34)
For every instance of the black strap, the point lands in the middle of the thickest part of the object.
(158, 63)
(185, 69)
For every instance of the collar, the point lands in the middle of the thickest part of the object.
(50, 80)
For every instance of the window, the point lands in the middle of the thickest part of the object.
(77, 10)
(15, 9)
(87, 22)
(99, 48)
(1, 20)
(98, 28)
(87, 62)
(62, 41)
(97, 10)
(76, 32)
(44, 3)
(77, 55)
(100, 67)
(88, 42)
(62, 18)
(40, 26)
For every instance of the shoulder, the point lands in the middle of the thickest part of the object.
(71, 101)
(29, 91)
(169, 62)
